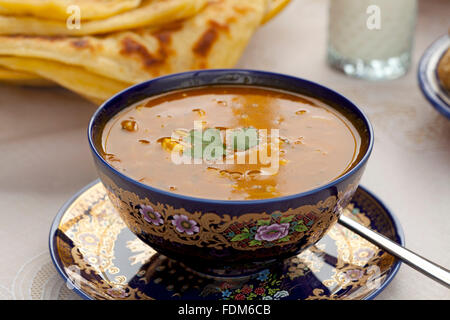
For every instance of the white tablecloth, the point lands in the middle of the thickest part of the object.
(44, 155)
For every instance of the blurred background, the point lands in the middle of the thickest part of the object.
(45, 157)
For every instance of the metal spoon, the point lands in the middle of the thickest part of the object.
(415, 261)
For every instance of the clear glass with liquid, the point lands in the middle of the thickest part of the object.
(371, 39)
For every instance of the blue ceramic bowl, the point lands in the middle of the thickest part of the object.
(428, 77)
(220, 236)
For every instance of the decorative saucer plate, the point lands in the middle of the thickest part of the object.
(100, 258)
(428, 78)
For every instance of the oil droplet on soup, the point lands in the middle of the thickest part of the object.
(316, 142)
(129, 125)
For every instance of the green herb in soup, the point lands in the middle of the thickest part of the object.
(231, 143)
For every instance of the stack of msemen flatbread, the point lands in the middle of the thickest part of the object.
(99, 47)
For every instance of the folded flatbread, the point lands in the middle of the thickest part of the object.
(214, 38)
(97, 67)
(58, 9)
(273, 8)
(149, 14)
(22, 78)
(94, 87)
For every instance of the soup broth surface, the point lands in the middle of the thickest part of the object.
(315, 145)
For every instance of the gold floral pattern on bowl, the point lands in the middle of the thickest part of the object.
(99, 256)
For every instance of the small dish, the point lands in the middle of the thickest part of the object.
(428, 78)
(101, 258)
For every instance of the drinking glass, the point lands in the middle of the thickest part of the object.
(371, 39)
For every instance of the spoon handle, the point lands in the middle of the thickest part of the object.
(415, 261)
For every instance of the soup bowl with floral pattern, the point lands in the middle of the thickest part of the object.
(227, 237)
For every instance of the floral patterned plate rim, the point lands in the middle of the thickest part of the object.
(100, 258)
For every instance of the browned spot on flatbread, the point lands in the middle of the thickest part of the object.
(134, 48)
(219, 26)
(205, 42)
(131, 47)
(80, 43)
(208, 38)
(174, 26)
(163, 37)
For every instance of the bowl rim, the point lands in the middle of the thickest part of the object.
(435, 51)
(247, 72)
